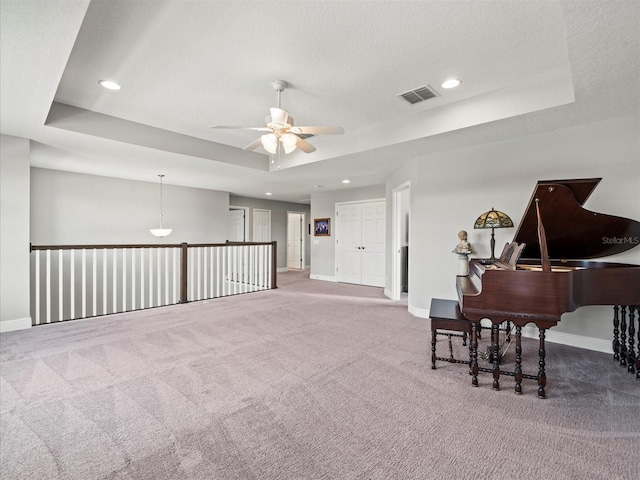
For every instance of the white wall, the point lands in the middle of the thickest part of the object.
(74, 208)
(278, 222)
(323, 205)
(449, 190)
(14, 233)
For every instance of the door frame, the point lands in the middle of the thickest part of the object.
(396, 257)
(303, 258)
(247, 211)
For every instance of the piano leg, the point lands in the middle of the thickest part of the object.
(616, 332)
(638, 357)
(475, 326)
(623, 336)
(434, 333)
(542, 376)
(495, 348)
(518, 371)
(631, 367)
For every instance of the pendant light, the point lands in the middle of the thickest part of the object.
(161, 232)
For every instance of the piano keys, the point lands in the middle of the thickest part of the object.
(531, 292)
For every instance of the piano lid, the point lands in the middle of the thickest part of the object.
(573, 232)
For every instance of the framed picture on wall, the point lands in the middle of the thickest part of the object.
(322, 227)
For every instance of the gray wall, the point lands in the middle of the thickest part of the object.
(278, 222)
(14, 233)
(74, 208)
(449, 190)
(323, 205)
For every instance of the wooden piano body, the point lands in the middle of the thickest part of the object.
(536, 291)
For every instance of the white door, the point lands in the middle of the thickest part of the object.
(349, 243)
(373, 242)
(261, 225)
(360, 243)
(295, 225)
(236, 225)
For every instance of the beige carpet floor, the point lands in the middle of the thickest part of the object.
(314, 380)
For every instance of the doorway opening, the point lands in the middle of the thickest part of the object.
(238, 224)
(295, 240)
(400, 257)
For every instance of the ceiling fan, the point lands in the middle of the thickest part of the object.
(281, 130)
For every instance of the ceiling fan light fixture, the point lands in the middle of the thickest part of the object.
(289, 141)
(270, 142)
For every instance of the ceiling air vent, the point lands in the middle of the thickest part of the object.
(418, 95)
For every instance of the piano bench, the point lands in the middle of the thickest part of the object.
(446, 315)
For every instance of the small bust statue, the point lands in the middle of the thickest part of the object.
(463, 247)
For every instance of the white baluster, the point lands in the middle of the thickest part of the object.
(151, 277)
(133, 279)
(142, 275)
(124, 279)
(72, 285)
(60, 285)
(159, 276)
(37, 294)
(205, 284)
(104, 281)
(95, 282)
(166, 276)
(199, 276)
(84, 283)
(191, 271)
(176, 275)
(114, 289)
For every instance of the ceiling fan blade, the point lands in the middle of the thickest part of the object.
(256, 129)
(305, 146)
(253, 145)
(279, 116)
(317, 130)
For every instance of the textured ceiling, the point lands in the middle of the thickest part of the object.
(526, 67)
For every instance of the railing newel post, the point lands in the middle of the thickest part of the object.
(184, 272)
(274, 264)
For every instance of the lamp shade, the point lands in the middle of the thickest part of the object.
(493, 219)
(289, 141)
(269, 142)
(161, 232)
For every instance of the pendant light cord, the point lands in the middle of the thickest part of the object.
(161, 200)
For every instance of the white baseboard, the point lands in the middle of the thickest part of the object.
(15, 324)
(282, 269)
(325, 278)
(570, 339)
(418, 312)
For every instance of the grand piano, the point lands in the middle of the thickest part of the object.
(552, 275)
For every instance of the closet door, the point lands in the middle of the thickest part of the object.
(373, 242)
(360, 244)
(349, 241)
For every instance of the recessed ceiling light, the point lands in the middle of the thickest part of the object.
(346, 181)
(268, 194)
(110, 84)
(451, 83)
